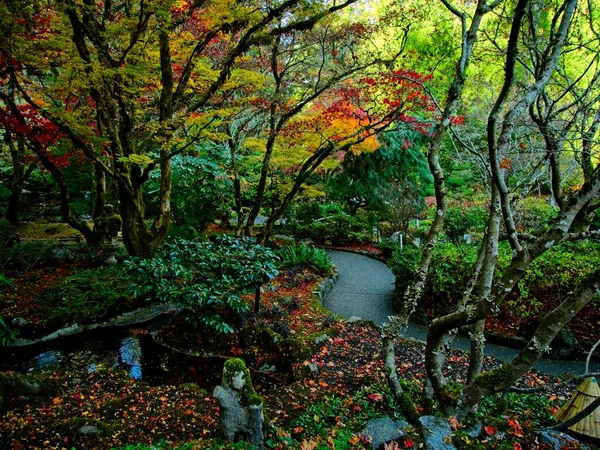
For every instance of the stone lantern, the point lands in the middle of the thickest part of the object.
(107, 226)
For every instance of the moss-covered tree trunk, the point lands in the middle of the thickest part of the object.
(500, 379)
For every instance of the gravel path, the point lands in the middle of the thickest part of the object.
(365, 290)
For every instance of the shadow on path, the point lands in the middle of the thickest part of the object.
(365, 289)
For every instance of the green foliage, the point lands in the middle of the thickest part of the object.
(321, 223)
(47, 253)
(304, 255)
(87, 296)
(7, 335)
(388, 246)
(5, 282)
(209, 277)
(201, 188)
(556, 272)
(460, 221)
(345, 415)
(393, 179)
(533, 213)
(518, 416)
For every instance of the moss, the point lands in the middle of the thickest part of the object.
(269, 338)
(14, 384)
(74, 423)
(248, 395)
(495, 380)
(407, 408)
(193, 388)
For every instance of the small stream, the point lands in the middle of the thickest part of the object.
(133, 349)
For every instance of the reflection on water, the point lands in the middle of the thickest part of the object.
(45, 359)
(130, 352)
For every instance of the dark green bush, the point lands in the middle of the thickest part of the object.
(460, 221)
(87, 296)
(304, 255)
(556, 272)
(209, 277)
(321, 223)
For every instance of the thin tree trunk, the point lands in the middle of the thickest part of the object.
(500, 379)
(414, 292)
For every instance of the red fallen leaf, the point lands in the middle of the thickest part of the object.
(490, 430)
(515, 427)
(454, 423)
(517, 446)
(375, 397)
(408, 443)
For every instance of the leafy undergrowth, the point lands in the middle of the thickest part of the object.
(324, 410)
(317, 410)
(53, 297)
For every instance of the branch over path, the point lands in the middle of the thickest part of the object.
(366, 287)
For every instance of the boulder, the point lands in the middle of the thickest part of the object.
(89, 430)
(382, 431)
(437, 433)
(557, 440)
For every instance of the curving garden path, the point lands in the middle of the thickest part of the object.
(365, 289)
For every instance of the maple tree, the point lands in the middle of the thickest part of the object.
(325, 93)
(132, 84)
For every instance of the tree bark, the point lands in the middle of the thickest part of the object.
(414, 292)
(498, 380)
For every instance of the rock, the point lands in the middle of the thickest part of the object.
(474, 430)
(314, 368)
(89, 430)
(396, 237)
(20, 322)
(564, 343)
(265, 368)
(321, 339)
(354, 319)
(62, 253)
(558, 440)
(436, 433)
(242, 410)
(382, 431)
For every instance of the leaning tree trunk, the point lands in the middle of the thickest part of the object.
(500, 379)
(20, 174)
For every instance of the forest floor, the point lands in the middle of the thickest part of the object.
(314, 410)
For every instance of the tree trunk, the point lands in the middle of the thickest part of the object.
(500, 379)
(136, 236)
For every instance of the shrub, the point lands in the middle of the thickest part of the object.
(87, 296)
(533, 213)
(303, 255)
(460, 221)
(554, 273)
(209, 277)
(321, 223)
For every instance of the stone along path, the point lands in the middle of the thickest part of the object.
(365, 289)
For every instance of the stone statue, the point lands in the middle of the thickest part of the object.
(242, 409)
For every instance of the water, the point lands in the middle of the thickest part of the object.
(133, 350)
